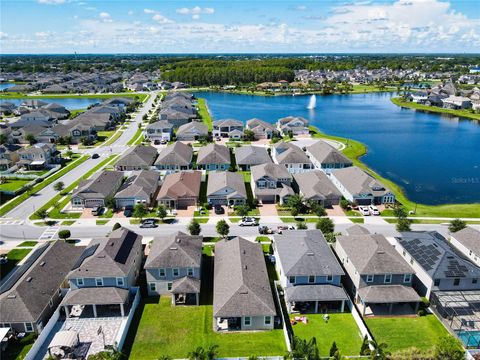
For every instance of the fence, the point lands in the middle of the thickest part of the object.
(34, 178)
(123, 334)
(286, 333)
(37, 345)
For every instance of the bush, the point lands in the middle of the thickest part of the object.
(344, 204)
(116, 226)
(456, 225)
(325, 225)
(64, 234)
(421, 312)
(301, 225)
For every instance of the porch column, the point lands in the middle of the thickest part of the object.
(390, 308)
(342, 308)
(316, 307)
(122, 310)
(197, 298)
(94, 310)
(67, 313)
(173, 299)
(416, 307)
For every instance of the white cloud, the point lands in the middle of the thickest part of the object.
(301, 8)
(149, 11)
(51, 2)
(130, 13)
(195, 12)
(157, 16)
(105, 16)
(3, 35)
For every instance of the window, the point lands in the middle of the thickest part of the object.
(436, 282)
(247, 321)
(456, 282)
(175, 272)
(311, 279)
(388, 278)
(474, 280)
(161, 272)
(268, 320)
(404, 253)
(189, 272)
(329, 278)
(50, 302)
(369, 278)
(99, 281)
(261, 184)
(80, 281)
(28, 327)
(169, 286)
(153, 287)
(291, 279)
(407, 278)
(120, 281)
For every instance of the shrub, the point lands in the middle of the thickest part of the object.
(456, 225)
(116, 226)
(64, 234)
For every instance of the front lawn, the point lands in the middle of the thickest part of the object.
(404, 332)
(13, 184)
(340, 328)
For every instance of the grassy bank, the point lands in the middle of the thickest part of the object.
(355, 150)
(205, 114)
(434, 109)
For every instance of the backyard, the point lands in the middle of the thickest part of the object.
(14, 256)
(404, 332)
(13, 184)
(340, 328)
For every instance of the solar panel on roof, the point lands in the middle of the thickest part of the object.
(126, 247)
(89, 251)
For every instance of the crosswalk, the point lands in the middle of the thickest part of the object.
(49, 233)
(11, 222)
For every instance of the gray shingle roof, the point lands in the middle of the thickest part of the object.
(99, 186)
(293, 155)
(470, 238)
(273, 170)
(326, 154)
(324, 292)
(175, 154)
(306, 252)
(381, 294)
(357, 181)
(316, 185)
(175, 250)
(241, 285)
(139, 155)
(213, 154)
(186, 285)
(96, 296)
(142, 183)
(356, 230)
(227, 122)
(252, 155)
(193, 127)
(218, 180)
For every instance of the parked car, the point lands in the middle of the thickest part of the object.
(219, 210)
(373, 210)
(148, 223)
(364, 210)
(265, 230)
(248, 221)
(97, 210)
(280, 228)
(156, 142)
(163, 141)
(128, 212)
(95, 156)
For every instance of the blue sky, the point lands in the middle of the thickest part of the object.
(115, 26)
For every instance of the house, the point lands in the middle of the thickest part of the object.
(316, 186)
(457, 103)
(114, 261)
(228, 128)
(438, 266)
(379, 279)
(101, 121)
(8, 156)
(93, 192)
(213, 157)
(292, 157)
(159, 130)
(294, 125)
(357, 186)
(309, 272)
(140, 157)
(174, 117)
(37, 156)
(175, 157)
(248, 156)
(467, 241)
(262, 129)
(180, 190)
(75, 131)
(33, 104)
(326, 158)
(271, 183)
(139, 188)
(226, 188)
(38, 116)
(119, 102)
(30, 296)
(192, 131)
(242, 296)
(173, 266)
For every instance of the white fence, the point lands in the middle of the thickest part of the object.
(361, 325)
(284, 320)
(122, 335)
(43, 336)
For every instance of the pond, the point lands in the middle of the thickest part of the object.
(434, 158)
(68, 103)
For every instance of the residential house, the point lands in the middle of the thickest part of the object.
(75, 131)
(113, 261)
(316, 186)
(139, 157)
(120, 102)
(173, 266)
(94, 191)
(309, 272)
(326, 158)
(8, 156)
(33, 104)
(226, 188)
(175, 157)
(38, 156)
(159, 130)
(180, 190)
(213, 157)
(457, 103)
(294, 125)
(139, 188)
(242, 296)
(228, 128)
(271, 183)
(174, 117)
(467, 241)
(248, 156)
(192, 131)
(30, 296)
(357, 186)
(292, 157)
(38, 116)
(438, 266)
(262, 129)
(379, 279)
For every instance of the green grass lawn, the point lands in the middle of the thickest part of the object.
(14, 256)
(175, 331)
(114, 138)
(341, 328)
(291, 219)
(28, 243)
(13, 184)
(137, 138)
(404, 332)
(357, 220)
(102, 222)
(18, 349)
(205, 114)
(68, 222)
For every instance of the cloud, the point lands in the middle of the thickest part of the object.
(51, 2)
(105, 16)
(158, 17)
(3, 35)
(149, 11)
(195, 12)
(301, 8)
(130, 13)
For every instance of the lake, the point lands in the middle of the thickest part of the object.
(435, 158)
(4, 86)
(68, 103)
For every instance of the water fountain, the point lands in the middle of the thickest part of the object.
(312, 103)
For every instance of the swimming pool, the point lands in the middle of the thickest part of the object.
(471, 339)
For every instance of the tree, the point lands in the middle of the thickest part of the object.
(303, 349)
(242, 210)
(296, 204)
(333, 349)
(222, 228)
(403, 224)
(379, 351)
(194, 227)
(3, 139)
(449, 348)
(110, 202)
(456, 225)
(69, 153)
(325, 225)
(59, 186)
(301, 225)
(249, 135)
(164, 357)
(317, 209)
(116, 226)
(139, 211)
(344, 204)
(201, 354)
(161, 212)
(28, 188)
(30, 138)
(64, 234)
(365, 350)
(106, 355)
(41, 213)
(399, 211)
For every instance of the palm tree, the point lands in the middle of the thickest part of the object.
(164, 357)
(303, 349)
(212, 352)
(197, 354)
(379, 351)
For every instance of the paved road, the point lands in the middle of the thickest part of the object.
(23, 211)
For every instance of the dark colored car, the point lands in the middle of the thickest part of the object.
(219, 210)
(95, 156)
(128, 212)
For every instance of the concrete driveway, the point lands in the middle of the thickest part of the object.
(268, 210)
(188, 212)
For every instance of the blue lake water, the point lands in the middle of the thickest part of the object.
(434, 158)
(68, 103)
(4, 86)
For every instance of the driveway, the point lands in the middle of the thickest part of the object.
(268, 210)
(87, 214)
(336, 210)
(186, 212)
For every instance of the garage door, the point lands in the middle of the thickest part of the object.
(92, 203)
(121, 203)
(267, 199)
(184, 203)
(214, 201)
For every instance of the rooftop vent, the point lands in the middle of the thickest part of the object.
(380, 252)
(11, 296)
(42, 263)
(310, 254)
(174, 248)
(29, 279)
(178, 240)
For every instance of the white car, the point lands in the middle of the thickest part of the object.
(373, 210)
(248, 221)
(364, 210)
